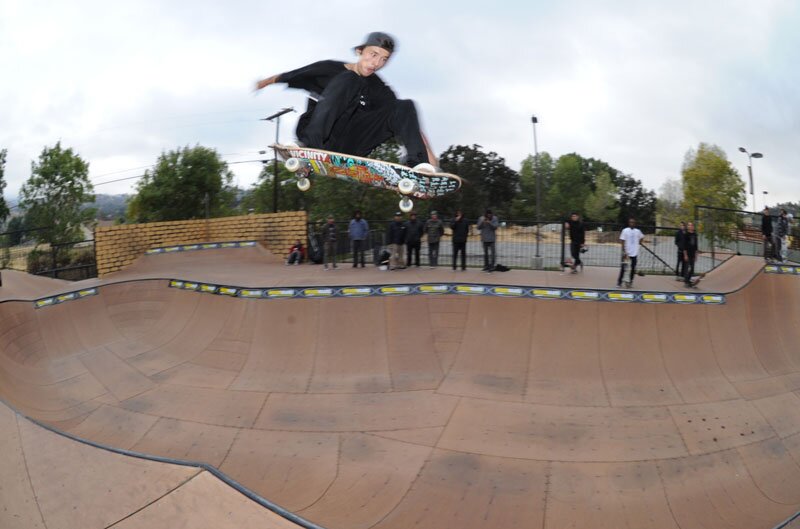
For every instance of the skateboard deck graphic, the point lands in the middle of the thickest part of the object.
(376, 173)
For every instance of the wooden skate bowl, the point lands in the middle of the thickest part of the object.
(423, 411)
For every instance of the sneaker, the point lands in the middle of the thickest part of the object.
(619, 285)
(574, 271)
(325, 268)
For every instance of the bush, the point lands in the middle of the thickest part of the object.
(42, 260)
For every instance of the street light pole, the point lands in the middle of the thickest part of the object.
(750, 157)
(277, 118)
(534, 121)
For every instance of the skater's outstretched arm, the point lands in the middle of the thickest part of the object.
(263, 83)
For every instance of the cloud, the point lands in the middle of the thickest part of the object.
(636, 84)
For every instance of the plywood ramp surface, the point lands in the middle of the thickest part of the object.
(417, 411)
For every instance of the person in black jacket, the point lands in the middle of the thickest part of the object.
(577, 240)
(680, 238)
(460, 227)
(414, 231)
(396, 239)
(330, 235)
(766, 232)
(689, 253)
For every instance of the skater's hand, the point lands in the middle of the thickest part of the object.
(263, 83)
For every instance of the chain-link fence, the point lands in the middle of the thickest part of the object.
(527, 244)
(729, 231)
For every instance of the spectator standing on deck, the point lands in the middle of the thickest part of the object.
(630, 239)
(577, 240)
(766, 232)
(783, 234)
(680, 237)
(434, 229)
(487, 226)
(330, 235)
(460, 227)
(396, 238)
(358, 231)
(689, 254)
(414, 231)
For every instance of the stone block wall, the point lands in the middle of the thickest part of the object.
(118, 246)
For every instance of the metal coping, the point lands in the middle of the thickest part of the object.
(200, 246)
(465, 289)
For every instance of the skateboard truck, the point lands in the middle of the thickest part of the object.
(294, 165)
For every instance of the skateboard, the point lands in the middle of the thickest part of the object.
(623, 267)
(418, 183)
(696, 279)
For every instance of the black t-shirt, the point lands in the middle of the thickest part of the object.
(577, 233)
(690, 243)
(315, 78)
(347, 94)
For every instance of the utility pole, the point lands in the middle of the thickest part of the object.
(277, 118)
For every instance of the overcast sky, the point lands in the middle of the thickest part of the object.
(636, 83)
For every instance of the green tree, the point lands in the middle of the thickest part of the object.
(524, 204)
(184, 184)
(4, 211)
(635, 201)
(709, 179)
(668, 207)
(569, 187)
(488, 182)
(54, 194)
(16, 227)
(602, 205)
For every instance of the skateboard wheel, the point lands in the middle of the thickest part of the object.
(406, 205)
(406, 186)
(425, 167)
(304, 184)
(292, 164)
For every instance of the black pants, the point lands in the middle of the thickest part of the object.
(633, 270)
(680, 268)
(358, 251)
(412, 248)
(489, 255)
(575, 250)
(433, 253)
(688, 269)
(340, 123)
(460, 247)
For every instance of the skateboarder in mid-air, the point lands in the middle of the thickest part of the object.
(351, 110)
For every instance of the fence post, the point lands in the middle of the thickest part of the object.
(563, 241)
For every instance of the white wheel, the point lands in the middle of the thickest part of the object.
(406, 205)
(304, 184)
(425, 168)
(292, 164)
(406, 186)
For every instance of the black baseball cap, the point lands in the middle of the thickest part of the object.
(379, 39)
